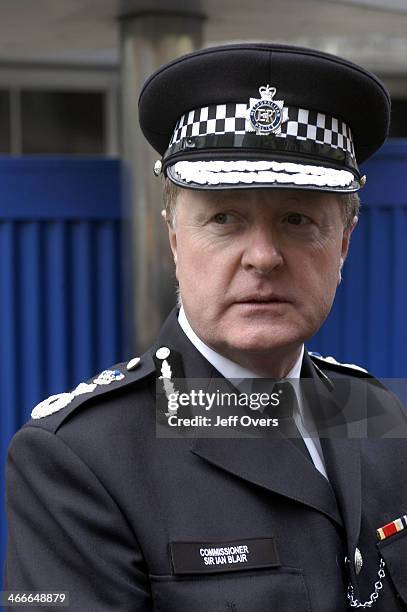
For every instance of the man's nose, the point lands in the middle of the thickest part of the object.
(262, 253)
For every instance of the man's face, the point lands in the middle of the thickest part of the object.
(257, 268)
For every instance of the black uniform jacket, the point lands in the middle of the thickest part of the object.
(125, 521)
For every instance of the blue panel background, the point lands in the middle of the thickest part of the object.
(60, 282)
(368, 323)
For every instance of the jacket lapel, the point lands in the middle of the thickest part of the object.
(341, 451)
(342, 459)
(274, 464)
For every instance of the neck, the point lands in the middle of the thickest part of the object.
(275, 364)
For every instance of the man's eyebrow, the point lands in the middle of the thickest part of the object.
(294, 199)
(218, 202)
(300, 201)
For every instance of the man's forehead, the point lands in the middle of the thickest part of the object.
(251, 197)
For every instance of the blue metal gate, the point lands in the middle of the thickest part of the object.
(368, 323)
(60, 282)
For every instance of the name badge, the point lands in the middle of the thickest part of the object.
(210, 557)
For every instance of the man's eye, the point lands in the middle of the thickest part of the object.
(296, 219)
(222, 218)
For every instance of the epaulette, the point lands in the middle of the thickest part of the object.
(56, 408)
(333, 364)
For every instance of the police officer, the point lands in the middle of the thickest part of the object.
(116, 494)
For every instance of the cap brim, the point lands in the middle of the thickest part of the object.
(222, 174)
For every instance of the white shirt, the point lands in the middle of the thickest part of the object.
(233, 371)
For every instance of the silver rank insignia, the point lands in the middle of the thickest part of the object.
(266, 115)
(61, 400)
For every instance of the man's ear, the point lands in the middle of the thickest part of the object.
(172, 237)
(346, 240)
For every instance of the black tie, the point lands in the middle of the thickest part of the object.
(285, 410)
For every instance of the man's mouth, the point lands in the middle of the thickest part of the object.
(264, 299)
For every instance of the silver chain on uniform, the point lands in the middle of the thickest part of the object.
(355, 603)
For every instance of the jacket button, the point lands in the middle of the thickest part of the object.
(133, 364)
(163, 352)
(358, 561)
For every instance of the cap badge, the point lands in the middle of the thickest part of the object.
(266, 115)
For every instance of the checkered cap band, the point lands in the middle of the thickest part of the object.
(231, 118)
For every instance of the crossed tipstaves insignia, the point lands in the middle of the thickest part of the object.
(54, 403)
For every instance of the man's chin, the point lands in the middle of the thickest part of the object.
(260, 343)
